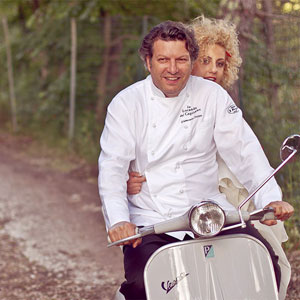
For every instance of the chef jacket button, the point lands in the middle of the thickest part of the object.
(152, 98)
(185, 147)
(181, 191)
(185, 127)
(177, 166)
(187, 95)
(155, 196)
(154, 125)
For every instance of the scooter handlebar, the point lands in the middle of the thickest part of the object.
(263, 214)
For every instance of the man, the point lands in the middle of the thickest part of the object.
(170, 127)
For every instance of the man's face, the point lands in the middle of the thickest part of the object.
(170, 66)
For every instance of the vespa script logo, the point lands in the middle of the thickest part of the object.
(167, 286)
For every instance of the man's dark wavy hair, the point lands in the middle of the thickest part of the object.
(169, 31)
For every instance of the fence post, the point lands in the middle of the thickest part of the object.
(72, 79)
(10, 76)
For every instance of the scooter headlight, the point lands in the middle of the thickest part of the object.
(206, 219)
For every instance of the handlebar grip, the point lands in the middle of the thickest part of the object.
(263, 214)
(133, 237)
(268, 214)
(139, 232)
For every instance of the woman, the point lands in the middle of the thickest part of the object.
(219, 60)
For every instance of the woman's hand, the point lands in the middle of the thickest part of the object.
(282, 211)
(134, 183)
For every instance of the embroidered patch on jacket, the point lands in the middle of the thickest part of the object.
(190, 113)
(232, 109)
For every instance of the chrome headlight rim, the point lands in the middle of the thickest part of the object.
(199, 205)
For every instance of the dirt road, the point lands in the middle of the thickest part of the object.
(52, 236)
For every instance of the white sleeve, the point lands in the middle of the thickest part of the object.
(242, 152)
(117, 150)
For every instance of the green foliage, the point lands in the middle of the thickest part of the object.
(87, 137)
(40, 42)
(271, 106)
(40, 38)
(293, 227)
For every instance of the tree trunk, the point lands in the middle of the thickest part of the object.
(109, 72)
(103, 73)
(272, 92)
(242, 13)
(73, 79)
(35, 4)
(10, 76)
(141, 68)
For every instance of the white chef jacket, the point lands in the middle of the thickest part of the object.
(173, 142)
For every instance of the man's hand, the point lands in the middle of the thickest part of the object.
(134, 183)
(122, 230)
(282, 210)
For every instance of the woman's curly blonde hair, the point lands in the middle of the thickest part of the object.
(214, 31)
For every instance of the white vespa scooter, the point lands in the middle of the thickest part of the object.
(211, 267)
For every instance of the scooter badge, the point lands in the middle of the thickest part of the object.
(209, 251)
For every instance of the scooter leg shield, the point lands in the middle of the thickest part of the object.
(227, 267)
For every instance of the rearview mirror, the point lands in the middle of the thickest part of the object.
(290, 144)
